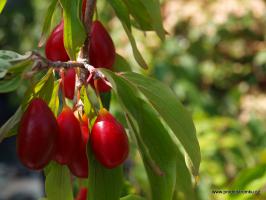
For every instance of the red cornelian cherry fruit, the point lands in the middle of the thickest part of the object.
(37, 135)
(101, 85)
(69, 136)
(101, 51)
(55, 49)
(69, 82)
(79, 164)
(109, 140)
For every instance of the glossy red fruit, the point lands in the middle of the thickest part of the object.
(108, 140)
(102, 49)
(69, 82)
(69, 137)
(37, 135)
(54, 48)
(101, 52)
(101, 85)
(82, 195)
(84, 124)
(79, 164)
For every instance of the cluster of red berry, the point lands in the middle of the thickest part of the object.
(101, 54)
(42, 137)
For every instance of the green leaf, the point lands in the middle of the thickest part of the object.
(10, 124)
(104, 184)
(54, 100)
(132, 197)
(44, 88)
(106, 99)
(184, 187)
(158, 153)
(173, 113)
(121, 64)
(147, 15)
(2, 5)
(11, 70)
(86, 102)
(57, 183)
(8, 67)
(163, 161)
(122, 13)
(4, 64)
(140, 14)
(19, 67)
(249, 179)
(47, 22)
(12, 56)
(136, 53)
(10, 84)
(74, 33)
(154, 9)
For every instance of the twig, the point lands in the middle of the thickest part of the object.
(42, 63)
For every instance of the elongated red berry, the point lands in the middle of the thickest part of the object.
(101, 85)
(79, 164)
(69, 137)
(69, 82)
(108, 140)
(37, 135)
(101, 52)
(102, 49)
(54, 48)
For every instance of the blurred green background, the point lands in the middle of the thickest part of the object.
(214, 58)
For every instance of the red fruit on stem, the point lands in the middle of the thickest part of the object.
(82, 195)
(37, 135)
(55, 49)
(109, 140)
(69, 137)
(101, 85)
(69, 82)
(84, 124)
(79, 164)
(101, 51)
(104, 115)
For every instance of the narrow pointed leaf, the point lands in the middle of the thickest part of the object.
(132, 197)
(10, 124)
(163, 161)
(154, 9)
(121, 64)
(10, 84)
(57, 183)
(74, 33)
(54, 100)
(104, 184)
(2, 5)
(172, 111)
(47, 22)
(122, 13)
